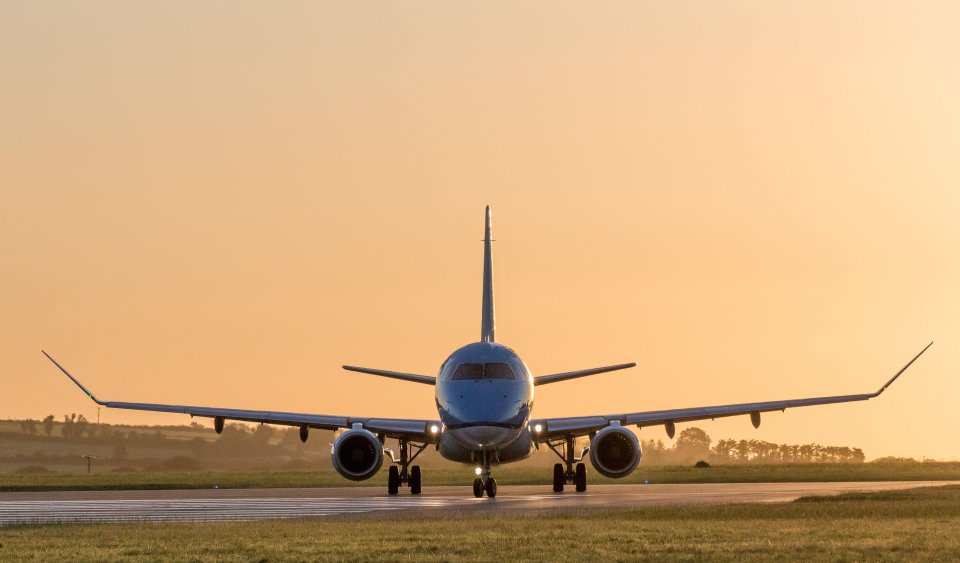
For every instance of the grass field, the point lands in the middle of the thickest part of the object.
(506, 475)
(912, 525)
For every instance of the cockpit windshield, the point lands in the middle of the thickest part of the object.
(497, 371)
(484, 371)
(468, 371)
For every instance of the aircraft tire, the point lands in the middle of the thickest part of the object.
(478, 488)
(415, 480)
(581, 478)
(558, 478)
(491, 487)
(393, 480)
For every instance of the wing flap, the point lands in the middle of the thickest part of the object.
(701, 413)
(283, 418)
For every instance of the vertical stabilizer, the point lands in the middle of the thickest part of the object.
(488, 324)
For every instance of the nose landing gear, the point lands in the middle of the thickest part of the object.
(491, 487)
(485, 483)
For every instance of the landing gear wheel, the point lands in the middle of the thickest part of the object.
(581, 478)
(491, 487)
(558, 478)
(477, 488)
(415, 480)
(393, 480)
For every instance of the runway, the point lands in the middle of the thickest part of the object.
(207, 505)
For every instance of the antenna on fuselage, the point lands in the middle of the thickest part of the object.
(488, 322)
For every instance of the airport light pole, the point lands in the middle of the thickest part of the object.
(88, 457)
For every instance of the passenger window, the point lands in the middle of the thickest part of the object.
(498, 371)
(468, 371)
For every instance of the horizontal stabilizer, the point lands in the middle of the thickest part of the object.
(555, 377)
(395, 375)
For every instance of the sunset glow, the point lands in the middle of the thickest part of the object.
(751, 200)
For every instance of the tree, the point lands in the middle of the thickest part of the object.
(67, 431)
(724, 449)
(81, 426)
(29, 426)
(693, 442)
(264, 433)
(48, 424)
(653, 451)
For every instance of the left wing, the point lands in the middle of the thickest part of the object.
(419, 430)
(554, 377)
(551, 428)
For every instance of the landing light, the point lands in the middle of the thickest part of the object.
(478, 471)
(538, 428)
(434, 428)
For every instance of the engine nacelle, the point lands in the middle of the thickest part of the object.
(357, 454)
(615, 451)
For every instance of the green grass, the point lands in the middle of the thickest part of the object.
(912, 525)
(506, 475)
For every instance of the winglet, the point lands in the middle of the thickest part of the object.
(903, 369)
(74, 379)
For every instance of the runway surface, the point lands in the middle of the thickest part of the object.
(207, 505)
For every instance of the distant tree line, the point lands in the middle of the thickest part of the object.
(693, 444)
(759, 451)
(238, 444)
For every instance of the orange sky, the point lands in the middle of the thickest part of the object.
(753, 200)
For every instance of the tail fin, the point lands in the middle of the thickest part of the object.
(488, 323)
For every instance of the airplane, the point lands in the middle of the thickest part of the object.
(484, 399)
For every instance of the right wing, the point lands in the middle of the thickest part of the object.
(394, 375)
(419, 430)
(551, 428)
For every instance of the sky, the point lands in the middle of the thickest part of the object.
(221, 203)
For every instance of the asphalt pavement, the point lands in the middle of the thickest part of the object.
(206, 505)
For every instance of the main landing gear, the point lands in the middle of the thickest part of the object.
(484, 483)
(402, 473)
(563, 475)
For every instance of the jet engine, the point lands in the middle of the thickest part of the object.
(615, 451)
(357, 454)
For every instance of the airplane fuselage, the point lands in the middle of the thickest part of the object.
(484, 396)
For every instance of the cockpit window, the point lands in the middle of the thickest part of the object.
(497, 371)
(468, 371)
(484, 371)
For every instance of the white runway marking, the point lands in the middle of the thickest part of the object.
(206, 510)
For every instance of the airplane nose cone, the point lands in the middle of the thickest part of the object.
(485, 436)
